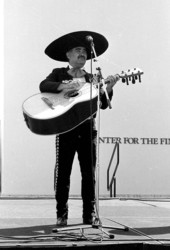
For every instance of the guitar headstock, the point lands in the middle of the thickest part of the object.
(131, 75)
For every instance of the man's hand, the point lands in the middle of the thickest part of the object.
(69, 85)
(111, 81)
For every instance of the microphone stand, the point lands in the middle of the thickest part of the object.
(100, 80)
(97, 224)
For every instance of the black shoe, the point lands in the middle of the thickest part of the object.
(88, 221)
(61, 221)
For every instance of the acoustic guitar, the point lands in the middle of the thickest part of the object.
(56, 113)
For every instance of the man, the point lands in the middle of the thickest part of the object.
(75, 49)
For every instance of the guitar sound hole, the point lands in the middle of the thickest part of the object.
(74, 94)
(71, 94)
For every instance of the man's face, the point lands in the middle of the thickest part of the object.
(77, 57)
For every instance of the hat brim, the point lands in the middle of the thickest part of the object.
(58, 48)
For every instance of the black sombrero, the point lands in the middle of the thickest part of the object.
(58, 48)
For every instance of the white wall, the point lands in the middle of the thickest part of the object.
(139, 36)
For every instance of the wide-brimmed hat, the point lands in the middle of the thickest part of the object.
(58, 48)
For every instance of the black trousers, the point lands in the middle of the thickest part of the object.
(83, 141)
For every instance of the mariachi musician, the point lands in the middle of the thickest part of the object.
(74, 49)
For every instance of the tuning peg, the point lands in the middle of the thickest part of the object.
(127, 81)
(133, 80)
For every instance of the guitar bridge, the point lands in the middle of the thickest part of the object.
(48, 102)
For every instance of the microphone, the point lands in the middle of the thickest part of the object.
(89, 38)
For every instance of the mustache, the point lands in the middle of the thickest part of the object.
(81, 56)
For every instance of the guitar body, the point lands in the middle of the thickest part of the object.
(49, 113)
(66, 111)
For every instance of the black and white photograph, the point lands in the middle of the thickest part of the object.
(85, 124)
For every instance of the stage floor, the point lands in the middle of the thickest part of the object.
(30, 223)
